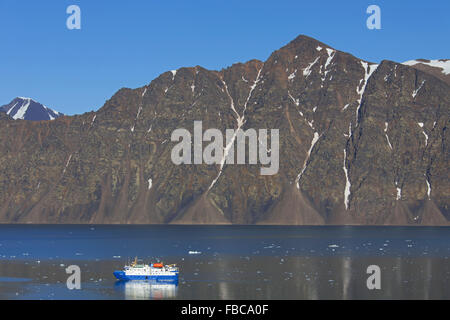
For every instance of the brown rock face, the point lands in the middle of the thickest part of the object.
(359, 143)
(426, 66)
(4, 116)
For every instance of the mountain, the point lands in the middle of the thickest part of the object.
(439, 68)
(28, 109)
(359, 143)
(4, 116)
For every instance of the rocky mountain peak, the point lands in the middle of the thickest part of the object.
(303, 42)
(359, 143)
(28, 109)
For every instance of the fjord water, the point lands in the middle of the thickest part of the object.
(231, 262)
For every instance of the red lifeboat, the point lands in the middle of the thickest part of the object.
(157, 265)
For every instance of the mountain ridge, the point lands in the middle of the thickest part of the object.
(360, 143)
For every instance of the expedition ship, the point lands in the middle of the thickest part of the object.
(140, 271)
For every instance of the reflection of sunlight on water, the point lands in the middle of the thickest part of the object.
(144, 290)
(346, 277)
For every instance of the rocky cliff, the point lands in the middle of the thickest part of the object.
(359, 143)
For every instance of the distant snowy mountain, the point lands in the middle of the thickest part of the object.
(28, 109)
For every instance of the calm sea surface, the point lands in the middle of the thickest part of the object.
(231, 262)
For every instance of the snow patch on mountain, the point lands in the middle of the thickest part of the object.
(443, 64)
(348, 185)
(307, 70)
(368, 70)
(313, 143)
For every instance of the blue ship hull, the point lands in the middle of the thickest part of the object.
(162, 278)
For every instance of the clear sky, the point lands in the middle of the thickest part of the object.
(129, 43)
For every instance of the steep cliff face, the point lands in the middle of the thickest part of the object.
(359, 143)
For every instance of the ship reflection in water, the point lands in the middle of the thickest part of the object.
(147, 290)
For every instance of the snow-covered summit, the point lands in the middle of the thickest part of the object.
(29, 109)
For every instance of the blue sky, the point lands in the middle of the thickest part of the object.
(129, 43)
